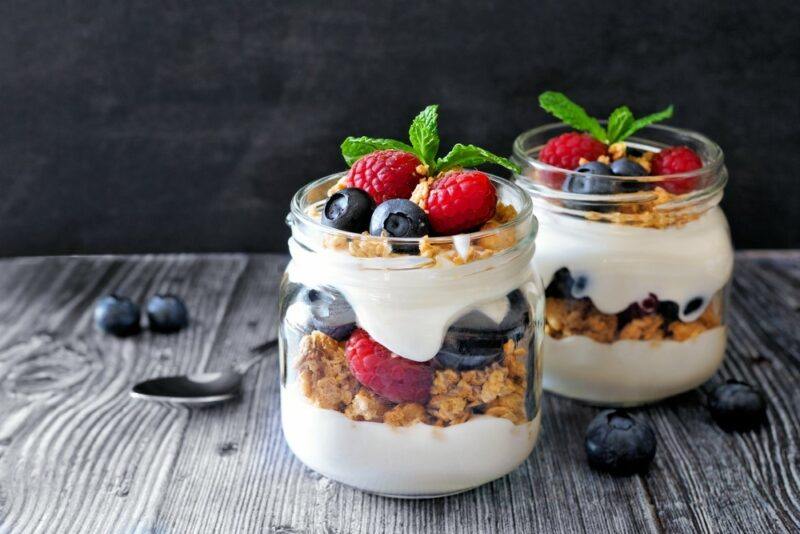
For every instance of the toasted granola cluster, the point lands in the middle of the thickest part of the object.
(655, 211)
(368, 246)
(498, 390)
(579, 317)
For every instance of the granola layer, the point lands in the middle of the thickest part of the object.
(498, 390)
(580, 317)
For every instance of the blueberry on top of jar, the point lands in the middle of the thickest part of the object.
(400, 218)
(627, 167)
(349, 209)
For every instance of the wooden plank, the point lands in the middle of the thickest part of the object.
(77, 456)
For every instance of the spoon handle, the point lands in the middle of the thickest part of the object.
(245, 366)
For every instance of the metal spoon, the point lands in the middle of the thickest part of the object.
(200, 389)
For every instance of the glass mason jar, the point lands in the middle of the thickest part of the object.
(450, 396)
(636, 280)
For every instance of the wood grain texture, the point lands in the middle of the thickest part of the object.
(77, 455)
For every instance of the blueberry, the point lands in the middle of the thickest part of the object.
(693, 305)
(626, 167)
(323, 309)
(475, 340)
(619, 444)
(584, 182)
(561, 285)
(400, 218)
(669, 310)
(737, 406)
(594, 167)
(166, 314)
(117, 315)
(349, 209)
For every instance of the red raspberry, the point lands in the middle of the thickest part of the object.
(461, 201)
(567, 149)
(674, 160)
(384, 372)
(385, 174)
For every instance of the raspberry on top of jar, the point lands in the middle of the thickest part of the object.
(599, 171)
(399, 190)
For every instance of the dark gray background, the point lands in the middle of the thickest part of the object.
(174, 126)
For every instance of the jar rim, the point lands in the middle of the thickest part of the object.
(526, 149)
(523, 204)
(713, 161)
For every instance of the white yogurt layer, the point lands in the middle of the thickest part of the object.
(630, 372)
(624, 264)
(414, 461)
(408, 310)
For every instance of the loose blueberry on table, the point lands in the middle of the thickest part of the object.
(167, 314)
(117, 315)
(737, 406)
(601, 152)
(620, 444)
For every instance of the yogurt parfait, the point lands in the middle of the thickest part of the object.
(411, 319)
(634, 251)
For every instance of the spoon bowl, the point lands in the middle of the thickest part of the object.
(199, 389)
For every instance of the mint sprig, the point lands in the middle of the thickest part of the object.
(424, 136)
(621, 123)
(355, 147)
(472, 156)
(424, 133)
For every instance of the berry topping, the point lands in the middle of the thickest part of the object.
(566, 150)
(737, 406)
(166, 313)
(674, 160)
(461, 201)
(323, 309)
(349, 209)
(476, 339)
(117, 315)
(626, 167)
(619, 444)
(589, 179)
(399, 218)
(385, 174)
(385, 373)
(389, 169)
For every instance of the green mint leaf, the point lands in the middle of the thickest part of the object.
(563, 108)
(472, 156)
(355, 147)
(638, 124)
(619, 122)
(424, 134)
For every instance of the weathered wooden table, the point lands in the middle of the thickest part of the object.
(77, 455)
